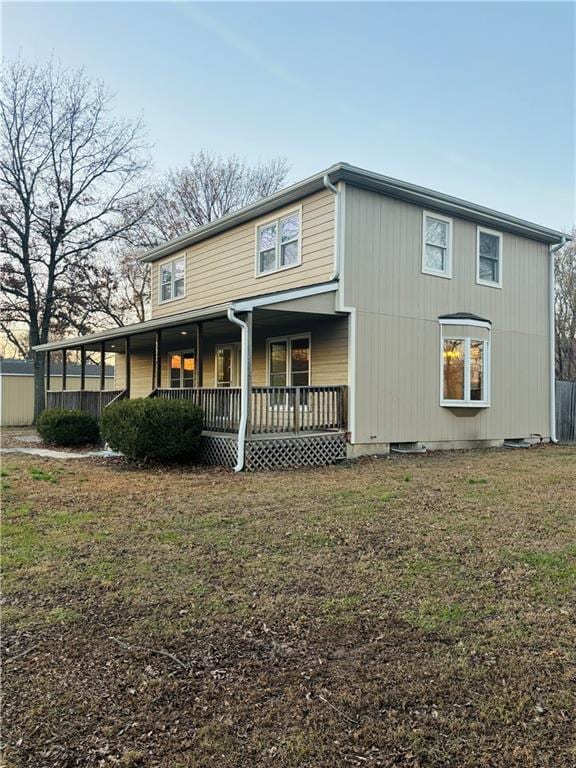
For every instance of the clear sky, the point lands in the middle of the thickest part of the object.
(472, 99)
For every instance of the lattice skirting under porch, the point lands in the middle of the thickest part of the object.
(221, 450)
(308, 451)
(276, 452)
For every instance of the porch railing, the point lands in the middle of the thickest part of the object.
(273, 409)
(91, 401)
(221, 405)
(298, 409)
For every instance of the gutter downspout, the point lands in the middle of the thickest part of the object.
(244, 394)
(552, 321)
(336, 190)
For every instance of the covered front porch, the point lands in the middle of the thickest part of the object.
(272, 375)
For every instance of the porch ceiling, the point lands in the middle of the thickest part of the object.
(174, 323)
(266, 322)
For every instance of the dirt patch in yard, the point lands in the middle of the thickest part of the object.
(417, 611)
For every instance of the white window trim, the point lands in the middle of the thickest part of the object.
(170, 353)
(234, 363)
(276, 219)
(288, 340)
(466, 403)
(465, 321)
(447, 273)
(160, 267)
(500, 237)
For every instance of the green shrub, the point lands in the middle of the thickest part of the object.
(153, 429)
(62, 427)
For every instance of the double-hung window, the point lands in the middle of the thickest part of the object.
(489, 258)
(182, 367)
(278, 244)
(437, 245)
(465, 363)
(172, 279)
(288, 365)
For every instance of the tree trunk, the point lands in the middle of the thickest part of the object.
(39, 360)
(39, 384)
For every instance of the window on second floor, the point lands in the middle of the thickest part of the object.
(172, 280)
(437, 245)
(489, 258)
(278, 244)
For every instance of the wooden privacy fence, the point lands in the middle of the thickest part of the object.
(273, 409)
(92, 402)
(566, 411)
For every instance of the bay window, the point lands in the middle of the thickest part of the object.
(465, 372)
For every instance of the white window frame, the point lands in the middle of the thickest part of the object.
(276, 220)
(288, 340)
(234, 364)
(181, 352)
(467, 402)
(161, 266)
(500, 236)
(447, 272)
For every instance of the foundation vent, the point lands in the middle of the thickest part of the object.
(407, 448)
(516, 442)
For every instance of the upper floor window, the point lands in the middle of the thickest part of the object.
(278, 244)
(489, 258)
(464, 372)
(437, 245)
(172, 279)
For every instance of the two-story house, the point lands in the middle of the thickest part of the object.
(345, 315)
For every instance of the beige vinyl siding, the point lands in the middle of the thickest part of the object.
(398, 334)
(17, 395)
(223, 267)
(140, 372)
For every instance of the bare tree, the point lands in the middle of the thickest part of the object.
(206, 189)
(566, 311)
(70, 179)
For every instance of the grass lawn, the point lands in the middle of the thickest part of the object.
(415, 611)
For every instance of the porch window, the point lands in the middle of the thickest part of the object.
(182, 366)
(278, 244)
(464, 372)
(437, 245)
(489, 258)
(289, 362)
(172, 280)
(227, 365)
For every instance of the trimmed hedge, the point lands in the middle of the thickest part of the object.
(153, 429)
(63, 427)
